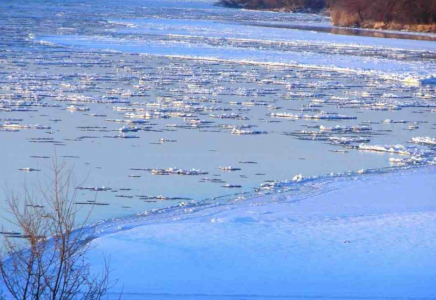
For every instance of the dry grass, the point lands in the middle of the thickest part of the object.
(344, 18)
(431, 28)
(420, 27)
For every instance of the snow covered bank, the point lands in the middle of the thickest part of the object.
(367, 237)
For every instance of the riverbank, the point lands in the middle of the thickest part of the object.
(309, 6)
(357, 14)
(385, 34)
(418, 15)
(369, 237)
(429, 28)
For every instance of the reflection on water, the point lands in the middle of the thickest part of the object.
(350, 31)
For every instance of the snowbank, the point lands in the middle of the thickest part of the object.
(367, 237)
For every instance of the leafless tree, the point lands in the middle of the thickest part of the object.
(47, 260)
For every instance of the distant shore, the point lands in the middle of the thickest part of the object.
(315, 6)
(387, 34)
(417, 17)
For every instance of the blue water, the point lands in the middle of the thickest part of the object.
(188, 55)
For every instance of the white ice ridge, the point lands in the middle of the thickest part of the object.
(414, 155)
(8, 125)
(236, 131)
(429, 80)
(370, 237)
(74, 108)
(408, 77)
(395, 149)
(173, 171)
(318, 116)
(424, 141)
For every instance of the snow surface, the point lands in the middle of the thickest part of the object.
(366, 237)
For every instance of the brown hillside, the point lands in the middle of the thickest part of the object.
(385, 14)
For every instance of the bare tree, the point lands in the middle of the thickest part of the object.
(47, 260)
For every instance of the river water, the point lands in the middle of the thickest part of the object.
(121, 89)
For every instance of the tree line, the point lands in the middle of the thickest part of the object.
(382, 14)
(393, 14)
(292, 5)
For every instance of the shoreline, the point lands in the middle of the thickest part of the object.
(304, 189)
(372, 25)
(326, 218)
(366, 32)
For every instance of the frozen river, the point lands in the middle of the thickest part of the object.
(137, 95)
